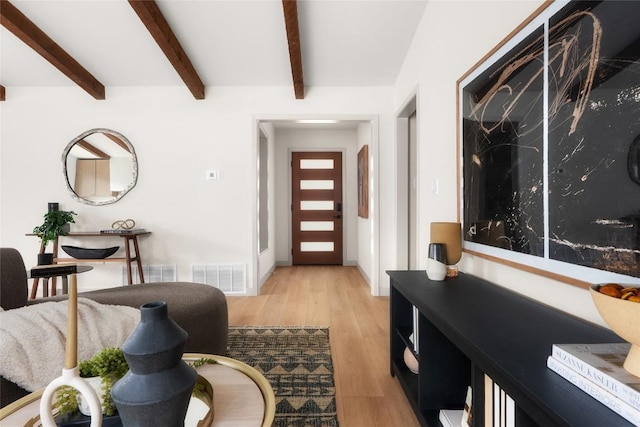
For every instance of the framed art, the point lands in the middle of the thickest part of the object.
(549, 125)
(363, 182)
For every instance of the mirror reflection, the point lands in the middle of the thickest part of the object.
(100, 166)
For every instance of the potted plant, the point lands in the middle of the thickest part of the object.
(56, 223)
(102, 371)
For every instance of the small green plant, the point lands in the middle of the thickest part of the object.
(202, 361)
(199, 388)
(110, 365)
(53, 225)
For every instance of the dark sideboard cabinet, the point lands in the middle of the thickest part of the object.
(468, 328)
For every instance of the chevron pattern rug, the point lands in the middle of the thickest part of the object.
(297, 363)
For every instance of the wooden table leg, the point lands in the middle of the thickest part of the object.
(65, 285)
(45, 287)
(36, 281)
(138, 260)
(71, 347)
(34, 288)
(55, 261)
(54, 286)
(128, 257)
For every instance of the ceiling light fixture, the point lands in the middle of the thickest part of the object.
(316, 121)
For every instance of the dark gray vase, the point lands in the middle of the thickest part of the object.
(157, 389)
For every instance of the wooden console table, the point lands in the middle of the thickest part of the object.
(132, 254)
(468, 327)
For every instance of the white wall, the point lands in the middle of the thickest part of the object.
(452, 37)
(176, 139)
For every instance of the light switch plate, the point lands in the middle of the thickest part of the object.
(213, 175)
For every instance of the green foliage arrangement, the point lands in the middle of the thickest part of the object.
(53, 225)
(199, 388)
(202, 361)
(110, 365)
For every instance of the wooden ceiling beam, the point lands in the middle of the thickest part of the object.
(118, 141)
(151, 16)
(290, 8)
(23, 28)
(3, 93)
(93, 149)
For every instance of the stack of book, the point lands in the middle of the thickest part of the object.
(597, 370)
(457, 417)
(499, 407)
(123, 231)
(451, 417)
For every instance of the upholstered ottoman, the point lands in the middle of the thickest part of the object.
(199, 309)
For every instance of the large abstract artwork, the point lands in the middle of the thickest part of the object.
(550, 138)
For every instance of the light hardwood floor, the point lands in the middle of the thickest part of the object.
(337, 297)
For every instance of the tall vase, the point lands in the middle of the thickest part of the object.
(157, 389)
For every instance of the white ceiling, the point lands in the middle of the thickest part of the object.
(229, 42)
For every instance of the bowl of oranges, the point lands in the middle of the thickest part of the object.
(619, 306)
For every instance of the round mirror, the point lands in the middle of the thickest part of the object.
(99, 167)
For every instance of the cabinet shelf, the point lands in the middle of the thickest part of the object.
(410, 384)
(468, 327)
(94, 260)
(403, 334)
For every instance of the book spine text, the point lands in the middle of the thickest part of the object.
(594, 390)
(597, 376)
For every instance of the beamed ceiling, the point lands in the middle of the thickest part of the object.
(201, 44)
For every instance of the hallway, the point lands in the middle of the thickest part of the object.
(338, 297)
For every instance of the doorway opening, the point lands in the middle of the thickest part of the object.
(345, 135)
(408, 227)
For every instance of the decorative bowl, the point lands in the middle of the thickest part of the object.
(623, 317)
(410, 360)
(88, 253)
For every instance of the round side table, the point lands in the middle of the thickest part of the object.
(242, 396)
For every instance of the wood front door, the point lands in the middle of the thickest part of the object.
(316, 211)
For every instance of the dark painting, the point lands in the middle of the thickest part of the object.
(551, 169)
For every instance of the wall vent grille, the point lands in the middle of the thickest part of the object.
(152, 273)
(229, 278)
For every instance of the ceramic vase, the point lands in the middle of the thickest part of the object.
(83, 405)
(157, 388)
(436, 267)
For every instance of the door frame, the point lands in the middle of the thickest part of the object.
(408, 108)
(373, 274)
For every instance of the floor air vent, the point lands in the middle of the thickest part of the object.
(152, 273)
(229, 278)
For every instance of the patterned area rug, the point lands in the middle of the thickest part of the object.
(297, 363)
